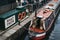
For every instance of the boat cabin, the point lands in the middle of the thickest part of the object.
(37, 25)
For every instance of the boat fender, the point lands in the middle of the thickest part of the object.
(20, 16)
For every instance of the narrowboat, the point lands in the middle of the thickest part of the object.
(8, 19)
(43, 20)
(11, 17)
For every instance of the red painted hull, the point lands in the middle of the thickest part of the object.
(38, 38)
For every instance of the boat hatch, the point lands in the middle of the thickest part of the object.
(37, 25)
(51, 5)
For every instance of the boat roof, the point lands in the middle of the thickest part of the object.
(52, 4)
(44, 13)
(47, 10)
(9, 13)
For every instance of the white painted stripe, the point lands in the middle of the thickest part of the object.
(40, 16)
(39, 35)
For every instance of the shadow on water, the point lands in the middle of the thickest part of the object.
(22, 35)
(23, 32)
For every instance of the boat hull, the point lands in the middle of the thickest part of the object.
(38, 38)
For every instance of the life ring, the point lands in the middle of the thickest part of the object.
(24, 14)
(20, 16)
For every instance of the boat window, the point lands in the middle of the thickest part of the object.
(49, 20)
(47, 23)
